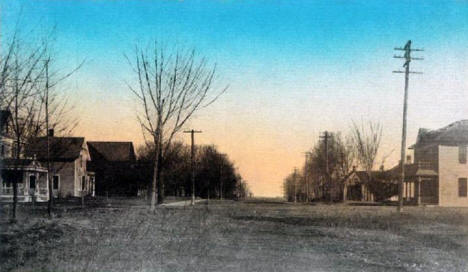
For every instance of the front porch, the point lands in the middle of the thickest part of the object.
(31, 180)
(421, 184)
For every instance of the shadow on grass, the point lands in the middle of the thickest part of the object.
(393, 223)
(367, 204)
(380, 203)
(328, 221)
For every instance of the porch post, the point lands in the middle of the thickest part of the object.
(363, 193)
(345, 192)
(47, 185)
(405, 196)
(419, 191)
(411, 191)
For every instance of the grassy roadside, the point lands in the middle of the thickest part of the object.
(233, 236)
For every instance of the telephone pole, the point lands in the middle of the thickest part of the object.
(407, 56)
(306, 180)
(295, 184)
(192, 160)
(326, 136)
(49, 180)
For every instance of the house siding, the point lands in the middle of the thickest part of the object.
(6, 147)
(70, 175)
(80, 170)
(66, 171)
(450, 170)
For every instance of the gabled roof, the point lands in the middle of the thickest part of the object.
(454, 134)
(61, 148)
(111, 151)
(362, 175)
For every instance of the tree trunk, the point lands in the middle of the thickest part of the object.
(156, 171)
(51, 194)
(161, 187)
(15, 181)
(154, 184)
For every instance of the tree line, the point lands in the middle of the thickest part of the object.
(215, 174)
(333, 157)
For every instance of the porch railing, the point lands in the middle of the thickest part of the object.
(43, 191)
(9, 191)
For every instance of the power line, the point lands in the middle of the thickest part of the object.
(407, 57)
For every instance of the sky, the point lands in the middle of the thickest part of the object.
(294, 69)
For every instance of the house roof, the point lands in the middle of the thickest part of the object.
(61, 148)
(22, 164)
(411, 170)
(111, 151)
(454, 134)
(362, 175)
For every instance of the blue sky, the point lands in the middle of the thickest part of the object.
(295, 68)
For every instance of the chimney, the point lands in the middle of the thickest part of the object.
(50, 133)
(382, 168)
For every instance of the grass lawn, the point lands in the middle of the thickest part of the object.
(235, 236)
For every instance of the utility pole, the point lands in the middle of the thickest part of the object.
(306, 180)
(46, 98)
(407, 56)
(192, 161)
(295, 184)
(326, 136)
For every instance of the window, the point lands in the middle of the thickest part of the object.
(462, 154)
(83, 183)
(462, 192)
(408, 159)
(32, 182)
(55, 182)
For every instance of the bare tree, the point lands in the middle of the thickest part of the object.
(171, 85)
(242, 190)
(27, 90)
(22, 72)
(366, 141)
(345, 154)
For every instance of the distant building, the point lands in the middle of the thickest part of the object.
(440, 170)
(67, 161)
(68, 158)
(356, 187)
(437, 175)
(114, 166)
